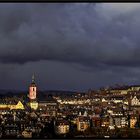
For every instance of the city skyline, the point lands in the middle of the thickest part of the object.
(69, 46)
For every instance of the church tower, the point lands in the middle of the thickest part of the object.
(32, 89)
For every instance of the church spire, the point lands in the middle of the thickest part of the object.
(33, 78)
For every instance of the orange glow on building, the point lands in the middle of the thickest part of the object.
(32, 89)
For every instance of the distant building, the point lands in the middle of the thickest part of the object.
(133, 121)
(117, 99)
(124, 122)
(34, 105)
(111, 123)
(12, 105)
(62, 127)
(11, 129)
(135, 87)
(105, 121)
(120, 90)
(19, 105)
(96, 121)
(124, 90)
(48, 106)
(83, 123)
(117, 121)
(27, 134)
(135, 101)
(117, 112)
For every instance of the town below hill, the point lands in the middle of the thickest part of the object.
(112, 112)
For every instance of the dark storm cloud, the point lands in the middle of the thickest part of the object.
(69, 46)
(88, 34)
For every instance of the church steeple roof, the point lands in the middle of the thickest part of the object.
(33, 80)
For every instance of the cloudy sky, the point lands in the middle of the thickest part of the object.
(69, 46)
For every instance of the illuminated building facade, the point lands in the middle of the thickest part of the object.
(32, 89)
(83, 123)
(62, 127)
(12, 106)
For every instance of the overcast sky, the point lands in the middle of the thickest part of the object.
(69, 46)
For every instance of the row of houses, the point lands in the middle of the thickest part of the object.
(83, 123)
(132, 100)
